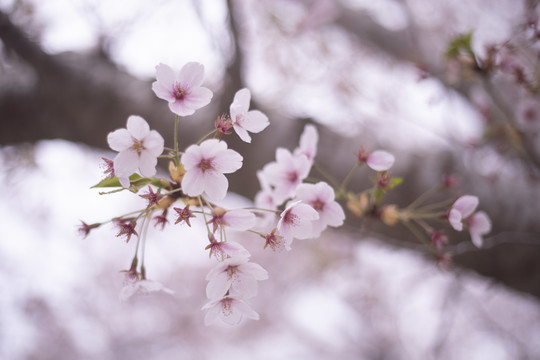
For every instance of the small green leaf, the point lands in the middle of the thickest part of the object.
(114, 182)
(394, 182)
(459, 44)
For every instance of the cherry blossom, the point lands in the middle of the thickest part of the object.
(138, 147)
(230, 309)
(182, 90)
(461, 209)
(308, 143)
(479, 225)
(235, 275)
(238, 219)
(221, 249)
(378, 160)
(205, 165)
(244, 120)
(296, 221)
(321, 197)
(286, 173)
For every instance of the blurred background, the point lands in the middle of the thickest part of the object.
(448, 87)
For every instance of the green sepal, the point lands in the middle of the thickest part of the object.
(114, 182)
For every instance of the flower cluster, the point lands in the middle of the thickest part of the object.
(292, 204)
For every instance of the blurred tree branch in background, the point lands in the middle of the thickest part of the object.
(82, 96)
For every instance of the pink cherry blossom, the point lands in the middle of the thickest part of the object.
(222, 249)
(230, 309)
(308, 142)
(205, 165)
(286, 173)
(296, 221)
(265, 198)
(235, 275)
(237, 219)
(182, 90)
(244, 120)
(479, 225)
(378, 160)
(138, 147)
(462, 209)
(321, 197)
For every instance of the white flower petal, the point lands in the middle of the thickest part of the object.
(242, 133)
(239, 219)
(154, 143)
(255, 121)
(215, 185)
(147, 164)
(455, 219)
(126, 163)
(193, 183)
(137, 127)
(191, 75)
(119, 140)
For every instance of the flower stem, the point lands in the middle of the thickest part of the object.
(206, 136)
(176, 159)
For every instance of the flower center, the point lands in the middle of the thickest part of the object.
(138, 145)
(292, 176)
(318, 205)
(289, 217)
(206, 164)
(179, 92)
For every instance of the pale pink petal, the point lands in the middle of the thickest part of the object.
(245, 310)
(242, 133)
(124, 180)
(240, 102)
(198, 98)
(255, 121)
(333, 214)
(455, 219)
(218, 285)
(192, 157)
(214, 309)
(380, 160)
(231, 314)
(181, 108)
(193, 183)
(479, 225)
(254, 270)
(228, 161)
(308, 142)
(154, 143)
(212, 147)
(137, 127)
(215, 184)
(239, 219)
(466, 205)
(165, 76)
(234, 249)
(119, 140)
(162, 91)
(147, 164)
(244, 285)
(191, 75)
(126, 163)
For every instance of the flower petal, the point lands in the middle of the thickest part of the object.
(126, 163)
(255, 121)
(380, 160)
(147, 164)
(193, 183)
(455, 219)
(215, 185)
(466, 205)
(191, 75)
(228, 161)
(154, 143)
(119, 140)
(240, 102)
(137, 127)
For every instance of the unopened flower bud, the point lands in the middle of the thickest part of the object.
(390, 215)
(358, 204)
(166, 202)
(177, 172)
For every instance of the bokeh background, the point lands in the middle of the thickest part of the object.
(448, 87)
